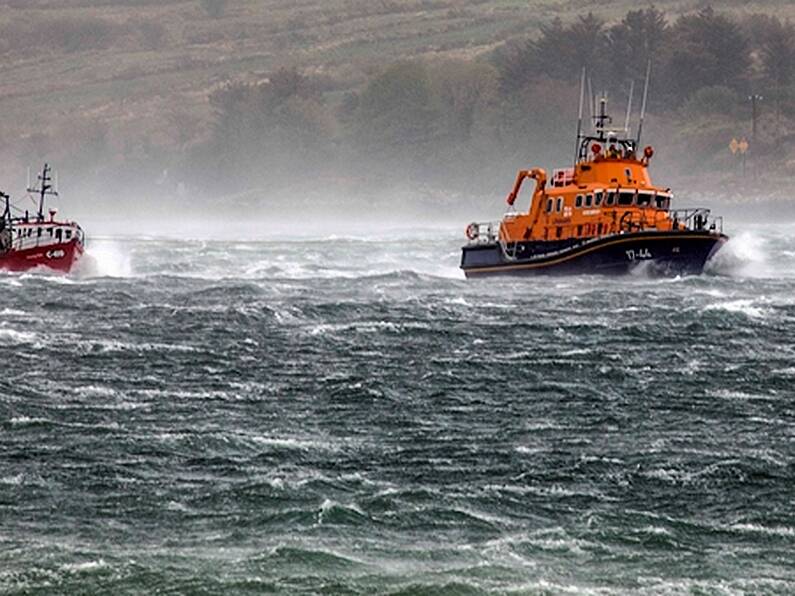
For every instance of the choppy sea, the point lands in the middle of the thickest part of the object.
(348, 415)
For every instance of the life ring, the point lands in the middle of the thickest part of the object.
(473, 231)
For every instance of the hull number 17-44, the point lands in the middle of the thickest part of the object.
(639, 254)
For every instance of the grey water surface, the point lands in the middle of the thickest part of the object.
(348, 415)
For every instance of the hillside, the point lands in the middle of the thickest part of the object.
(139, 73)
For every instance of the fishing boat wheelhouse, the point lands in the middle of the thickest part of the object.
(603, 215)
(29, 241)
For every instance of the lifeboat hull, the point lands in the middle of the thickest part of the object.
(59, 257)
(658, 253)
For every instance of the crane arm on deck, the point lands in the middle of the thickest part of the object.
(537, 174)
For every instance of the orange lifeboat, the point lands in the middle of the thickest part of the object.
(603, 215)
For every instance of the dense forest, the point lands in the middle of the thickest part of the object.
(459, 126)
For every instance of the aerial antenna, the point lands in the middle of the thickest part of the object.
(46, 188)
(592, 102)
(629, 106)
(643, 105)
(579, 118)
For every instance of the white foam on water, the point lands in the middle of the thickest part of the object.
(760, 529)
(84, 567)
(745, 255)
(16, 337)
(25, 420)
(104, 258)
(744, 306)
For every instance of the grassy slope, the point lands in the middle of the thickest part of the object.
(145, 93)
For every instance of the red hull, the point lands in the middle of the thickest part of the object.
(59, 257)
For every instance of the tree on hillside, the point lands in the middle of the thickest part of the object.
(560, 52)
(777, 53)
(707, 50)
(634, 41)
(270, 131)
(398, 116)
(464, 90)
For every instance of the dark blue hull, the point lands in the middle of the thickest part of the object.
(662, 253)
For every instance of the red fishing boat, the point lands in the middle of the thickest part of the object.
(29, 241)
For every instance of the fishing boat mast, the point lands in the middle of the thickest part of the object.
(46, 189)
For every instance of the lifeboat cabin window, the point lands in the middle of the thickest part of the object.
(58, 234)
(578, 201)
(30, 232)
(611, 198)
(644, 199)
(625, 198)
(68, 234)
(597, 198)
(38, 232)
(662, 202)
(560, 204)
(588, 200)
(549, 205)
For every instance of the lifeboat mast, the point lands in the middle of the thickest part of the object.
(602, 120)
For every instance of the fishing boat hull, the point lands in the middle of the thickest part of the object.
(59, 257)
(659, 253)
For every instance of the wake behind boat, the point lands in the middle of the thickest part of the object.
(604, 215)
(30, 241)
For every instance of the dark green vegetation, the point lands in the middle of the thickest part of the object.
(238, 96)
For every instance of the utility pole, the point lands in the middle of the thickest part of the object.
(754, 98)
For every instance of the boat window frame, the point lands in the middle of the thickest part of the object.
(648, 195)
(624, 193)
(550, 204)
(578, 201)
(598, 195)
(588, 200)
(610, 200)
(559, 205)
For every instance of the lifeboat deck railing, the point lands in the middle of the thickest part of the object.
(694, 219)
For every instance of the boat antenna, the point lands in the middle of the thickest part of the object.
(629, 106)
(46, 189)
(592, 102)
(643, 105)
(579, 118)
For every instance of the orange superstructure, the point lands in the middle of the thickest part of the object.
(608, 191)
